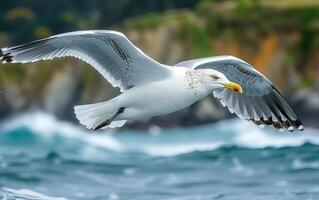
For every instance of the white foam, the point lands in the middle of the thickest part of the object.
(46, 125)
(178, 149)
(163, 142)
(254, 137)
(27, 194)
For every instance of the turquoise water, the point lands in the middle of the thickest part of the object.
(42, 158)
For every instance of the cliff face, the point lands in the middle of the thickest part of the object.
(285, 50)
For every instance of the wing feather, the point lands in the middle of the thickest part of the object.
(109, 52)
(260, 102)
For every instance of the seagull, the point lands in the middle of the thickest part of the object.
(149, 88)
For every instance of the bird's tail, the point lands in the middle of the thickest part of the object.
(92, 115)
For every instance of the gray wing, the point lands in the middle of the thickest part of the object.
(109, 52)
(260, 101)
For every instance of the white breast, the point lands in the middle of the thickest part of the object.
(182, 89)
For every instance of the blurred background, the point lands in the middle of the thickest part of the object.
(280, 38)
(201, 152)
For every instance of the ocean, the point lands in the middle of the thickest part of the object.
(42, 158)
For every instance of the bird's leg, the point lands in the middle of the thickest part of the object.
(108, 121)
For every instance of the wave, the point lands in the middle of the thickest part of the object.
(299, 164)
(155, 142)
(45, 125)
(9, 193)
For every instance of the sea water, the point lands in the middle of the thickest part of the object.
(46, 159)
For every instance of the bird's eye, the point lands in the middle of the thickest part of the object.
(215, 77)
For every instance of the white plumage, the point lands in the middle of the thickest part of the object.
(151, 89)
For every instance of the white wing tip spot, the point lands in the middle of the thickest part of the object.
(301, 127)
(290, 128)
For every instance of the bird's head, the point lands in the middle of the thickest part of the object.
(215, 79)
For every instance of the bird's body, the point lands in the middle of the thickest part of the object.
(152, 89)
(164, 98)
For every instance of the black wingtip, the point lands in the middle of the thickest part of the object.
(293, 121)
(291, 126)
(5, 58)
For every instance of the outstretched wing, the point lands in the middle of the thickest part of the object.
(109, 52)
(260, 101)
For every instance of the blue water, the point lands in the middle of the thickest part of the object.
(42, 158)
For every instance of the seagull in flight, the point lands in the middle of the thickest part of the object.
(149, 88)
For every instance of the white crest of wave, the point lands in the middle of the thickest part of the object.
(47, 125)
(248, 135)
(164, 142)
(177, 149)
(26, 194)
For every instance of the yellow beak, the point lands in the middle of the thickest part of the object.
(233, 86)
